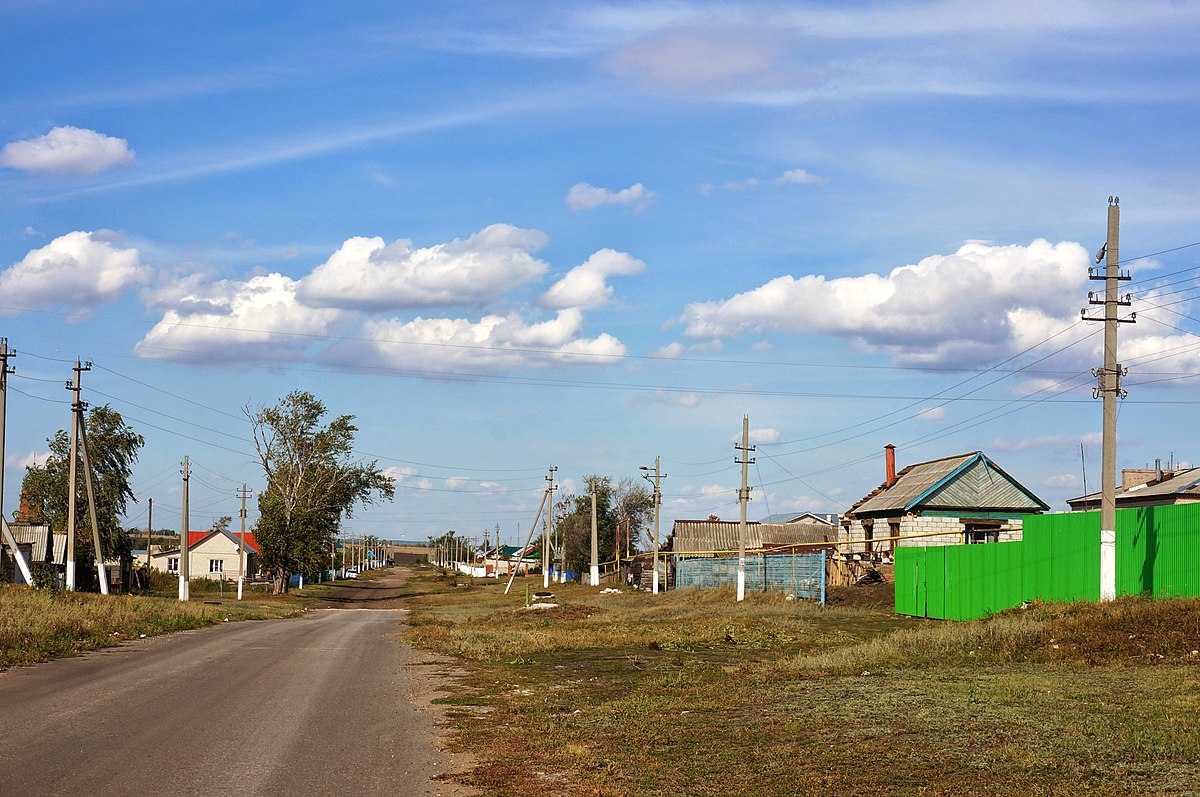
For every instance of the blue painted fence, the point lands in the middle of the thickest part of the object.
(802, 574)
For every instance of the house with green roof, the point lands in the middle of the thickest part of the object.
(966, 498)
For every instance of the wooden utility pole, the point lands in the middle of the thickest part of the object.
(595, 541)
(743, 498)
(185, 554)
(1108, 387)
(9, 537)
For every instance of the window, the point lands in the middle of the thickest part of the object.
(216, 565)
(172, 564)
(893, 532)
(974, 535)
(868, 535)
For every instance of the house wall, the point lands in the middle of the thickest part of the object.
(199, 557)
(943, 531)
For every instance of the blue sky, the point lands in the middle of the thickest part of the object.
(586, 235)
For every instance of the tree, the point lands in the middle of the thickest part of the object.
(614, 503)
(312, 482)
(222, 523)
(113, 449)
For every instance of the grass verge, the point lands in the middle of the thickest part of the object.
(39, 625)
(691, 693)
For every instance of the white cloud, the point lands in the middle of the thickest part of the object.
(493, 344)
(407, 477)
(260, 316)
(1061, 480)
(699, 59)
(76, 269)
(1060, 442)
(674, 399)
(800, 177)
(583, 196)
(670, 351)
(366, 274)
(765, 435)
(67, 150)
(586, 285)
(977, 305)
(932, 414)
(30, 459)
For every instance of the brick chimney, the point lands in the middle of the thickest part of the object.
(889, 459)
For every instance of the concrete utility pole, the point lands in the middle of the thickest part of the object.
(496, 573)
(657, 506)
(595, 541)
(101, 570)
(149, 533)
(550, 488)
(743, 498)
(9, 537)
(1108, 387)
(185, 554)
(512, 570)
(72, 472)
(244, 492)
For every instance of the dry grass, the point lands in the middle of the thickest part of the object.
(692, 694)
(38, 625)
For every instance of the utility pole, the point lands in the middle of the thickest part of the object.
(245, 492)
(595, 541)
(743, 498)
(497, 570)
(1108, 387)
(9, 537)
(550, 488)
(185, 554)
(72, 467)
(101, 569)
(657, 507)
(149, 532)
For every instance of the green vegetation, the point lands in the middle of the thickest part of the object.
(39, 625)
(311, 483)
(691, 694)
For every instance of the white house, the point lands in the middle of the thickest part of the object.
(211, 554)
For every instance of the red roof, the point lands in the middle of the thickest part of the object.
(194, 537)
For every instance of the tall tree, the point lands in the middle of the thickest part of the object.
(113, 449)
(614, 503)
(312, 481)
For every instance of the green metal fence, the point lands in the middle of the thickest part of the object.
(1057, 559)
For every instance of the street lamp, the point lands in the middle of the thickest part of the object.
(657, 503)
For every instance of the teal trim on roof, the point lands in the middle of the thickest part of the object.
(949, 477)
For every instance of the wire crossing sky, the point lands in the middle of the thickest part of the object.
(589, 234)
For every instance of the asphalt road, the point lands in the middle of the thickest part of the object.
(324, 704)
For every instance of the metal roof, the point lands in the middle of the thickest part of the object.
(35, 534)
(966, 481)
(689, 536)
(1185, 484)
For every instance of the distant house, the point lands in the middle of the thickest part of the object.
(1147, 487)
(966, 498)
(36, 543)
(784, 518)
(211, 554)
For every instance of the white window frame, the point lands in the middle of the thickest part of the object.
(172, 564)
(216, 566)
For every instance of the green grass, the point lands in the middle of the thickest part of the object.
(39, 625)
(692, 694)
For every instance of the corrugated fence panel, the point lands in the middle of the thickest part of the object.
(909, 571)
